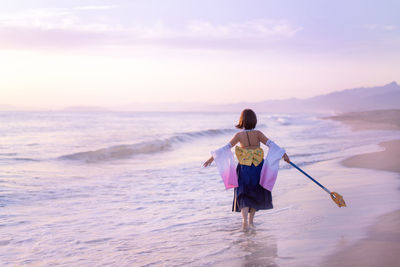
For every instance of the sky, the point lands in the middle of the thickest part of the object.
(55, 54)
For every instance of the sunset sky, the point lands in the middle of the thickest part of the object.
(62, 53)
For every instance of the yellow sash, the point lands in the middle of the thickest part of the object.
(249, 156)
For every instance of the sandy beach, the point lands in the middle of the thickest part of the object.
(371, 120)
(382, 244)
(387, 160)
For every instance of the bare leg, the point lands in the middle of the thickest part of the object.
(251, 217)
(245, 212)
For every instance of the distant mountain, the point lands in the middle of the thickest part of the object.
(382, 97)
(358, 99)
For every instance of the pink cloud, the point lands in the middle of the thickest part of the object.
(62, 28)
(36, 38)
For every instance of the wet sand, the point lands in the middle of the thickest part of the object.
(381, 247)
(387, 160)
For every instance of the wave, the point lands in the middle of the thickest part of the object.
(148, 147)
(291, 119)
(119, 152)
(18, 159)
(25, 159)
(275, 211)
(302, 155)
(204, 133)
(8, 154)
(309, 162)
(281, 119)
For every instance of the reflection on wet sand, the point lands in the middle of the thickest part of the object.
(260, 249)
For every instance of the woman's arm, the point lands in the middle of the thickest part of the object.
(263, 139)
(233, 142)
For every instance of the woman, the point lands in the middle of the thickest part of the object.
(254, 179)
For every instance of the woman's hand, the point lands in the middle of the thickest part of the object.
(208, 162)
(286, 158)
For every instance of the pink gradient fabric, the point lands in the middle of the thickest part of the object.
(226, 165)
(269, 171)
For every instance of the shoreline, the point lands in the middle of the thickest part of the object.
(386, 160)
(388, 119)
(382, 244)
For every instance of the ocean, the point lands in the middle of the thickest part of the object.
(129, 189)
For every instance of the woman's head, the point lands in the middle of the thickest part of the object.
(248, 120)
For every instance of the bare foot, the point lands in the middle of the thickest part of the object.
(244, 225)
(251, 225)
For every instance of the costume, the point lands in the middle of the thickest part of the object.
(253, 177)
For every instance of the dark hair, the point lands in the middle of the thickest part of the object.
(248, 120)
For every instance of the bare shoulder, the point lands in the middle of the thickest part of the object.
(259, 133)
(235, 139)
(237, 135)
(261, 136)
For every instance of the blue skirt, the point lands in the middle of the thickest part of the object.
(250, 193)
